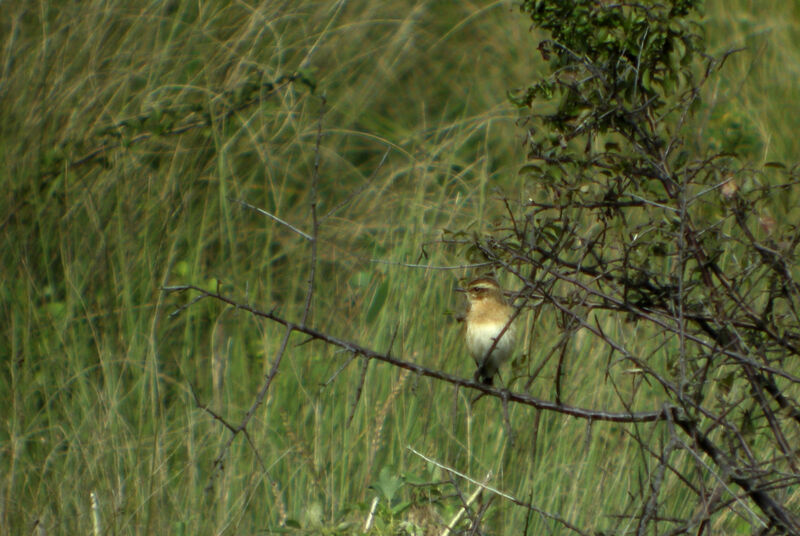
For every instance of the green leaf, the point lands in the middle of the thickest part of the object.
(388, 484)
(530, 169)
(399, 507)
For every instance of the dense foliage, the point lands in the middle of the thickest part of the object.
(299, 162)
(678, 260)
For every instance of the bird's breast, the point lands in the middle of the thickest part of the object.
(481, 337)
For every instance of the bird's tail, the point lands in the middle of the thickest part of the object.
(482, 375)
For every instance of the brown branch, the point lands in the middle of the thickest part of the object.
(776, 512)
(623, 305)
(262, 393)
(519, 398)
(315, 223)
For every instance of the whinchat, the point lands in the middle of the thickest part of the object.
(490, 332)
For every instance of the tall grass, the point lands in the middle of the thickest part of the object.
(98, 382)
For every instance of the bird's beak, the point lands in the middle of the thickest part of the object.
(459, 289)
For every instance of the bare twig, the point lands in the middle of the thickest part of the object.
(499, 493)
(433, 267)
(520, 398)
(272, 216)
(315, 223)
(262, 393)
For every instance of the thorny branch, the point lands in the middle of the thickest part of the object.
(633, 221)
(262, 393)
(628, 227)
(355, 348)
(721, 338)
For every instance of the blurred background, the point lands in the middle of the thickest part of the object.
(129, 133)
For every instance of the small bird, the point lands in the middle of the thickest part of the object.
(487, 316)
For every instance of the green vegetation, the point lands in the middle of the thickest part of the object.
(129, 134)
(640, 221)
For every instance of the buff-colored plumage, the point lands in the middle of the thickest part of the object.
(487, 316)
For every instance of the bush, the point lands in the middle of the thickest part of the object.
(676, 259)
